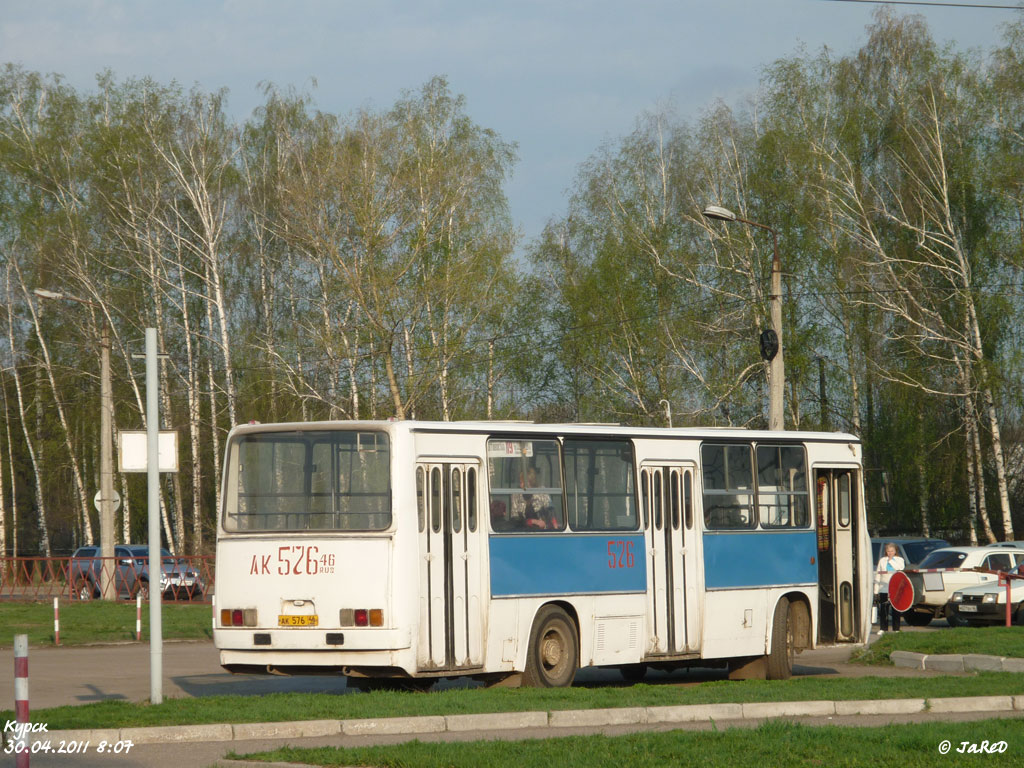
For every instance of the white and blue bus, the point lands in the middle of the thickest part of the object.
(410, 550)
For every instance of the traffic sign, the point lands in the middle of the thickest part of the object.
(98, 498)
(901, 592)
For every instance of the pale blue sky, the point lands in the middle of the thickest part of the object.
(557, 78)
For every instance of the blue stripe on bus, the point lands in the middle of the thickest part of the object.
(759, 559)
(549, 563)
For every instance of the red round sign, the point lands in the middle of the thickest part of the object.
(901, 592)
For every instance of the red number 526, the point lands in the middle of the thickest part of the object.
(620, 554)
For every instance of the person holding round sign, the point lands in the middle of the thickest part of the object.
(888, 564)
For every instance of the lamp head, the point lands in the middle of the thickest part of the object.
(718, 212)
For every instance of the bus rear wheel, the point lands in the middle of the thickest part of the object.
(553, 655)
(780, 658)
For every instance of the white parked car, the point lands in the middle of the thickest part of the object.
(948, 570)
(986, 603)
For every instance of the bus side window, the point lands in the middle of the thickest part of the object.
(421, 502)
(645, 495)
(471, 499)
(456, 500)
(728, 474)
(526, 493)
(600, 485)
(782, 495)
(435, 499)
(688, 499)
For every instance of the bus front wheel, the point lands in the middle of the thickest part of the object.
(780, 658)
(553, 656)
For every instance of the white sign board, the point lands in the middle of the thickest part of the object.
(132, 447)
(510, 449)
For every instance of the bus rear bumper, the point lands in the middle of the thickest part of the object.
(317, 641)
(309, 662)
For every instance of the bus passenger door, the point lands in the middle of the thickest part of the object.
(667, 497)
(838, 600)
(451, 630)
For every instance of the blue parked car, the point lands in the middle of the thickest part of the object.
(131, 574)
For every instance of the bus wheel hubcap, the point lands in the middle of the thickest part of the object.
(552, 651)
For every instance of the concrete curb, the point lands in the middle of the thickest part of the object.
(534, 720)
(953, 662)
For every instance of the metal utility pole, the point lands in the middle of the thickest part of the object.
(777, 368)
(822, 394)
(156, 631)
(109, 588)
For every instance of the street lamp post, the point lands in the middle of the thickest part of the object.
(107, 585)
(777, 369)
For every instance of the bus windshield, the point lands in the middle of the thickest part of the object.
(298, 481)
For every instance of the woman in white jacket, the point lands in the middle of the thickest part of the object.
(888, 564)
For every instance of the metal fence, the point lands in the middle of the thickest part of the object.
(29, 579)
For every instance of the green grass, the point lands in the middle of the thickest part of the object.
(770, 744)
(379, 704)
(98, 622)
(992, 641)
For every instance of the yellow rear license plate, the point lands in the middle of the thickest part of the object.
(298, 621)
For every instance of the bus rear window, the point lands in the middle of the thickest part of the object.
(299, 481)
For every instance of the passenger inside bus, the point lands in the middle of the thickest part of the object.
(534, 510)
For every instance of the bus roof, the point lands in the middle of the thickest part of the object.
(525, 427)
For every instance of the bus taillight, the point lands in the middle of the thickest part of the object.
(238, 617)
(362, 617)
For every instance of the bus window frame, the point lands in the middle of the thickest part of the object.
(634, 471)
(755, 491)
(505, 494)
(309, 438)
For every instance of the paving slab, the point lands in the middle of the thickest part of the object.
(981, 663)
(908, 659)
(694, 713)
(393, 725)
(1013, 665)
(300, 729)
(169, 734)
(598, 717)
(971, 704)
(880, 707)
(496, 721)
(94, 736)
(769, 709)
(944, 662)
